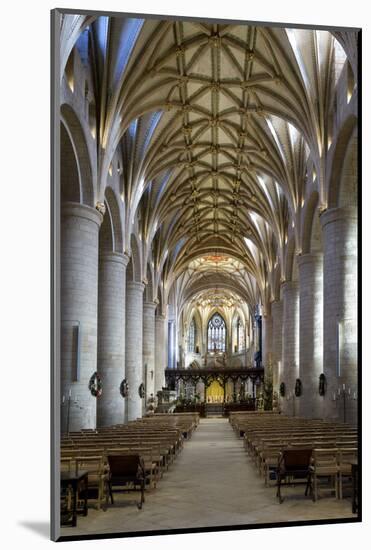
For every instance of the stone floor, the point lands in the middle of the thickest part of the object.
(212, 483)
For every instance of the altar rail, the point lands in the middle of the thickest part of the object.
(225, 408)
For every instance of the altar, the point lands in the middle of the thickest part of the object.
(214, 393)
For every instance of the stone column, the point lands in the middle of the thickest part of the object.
(277, 310)
(149, 309)
(267, 344)
(111, 337)
(79, 302)
(290, 341)
(203, 340)
(160, 351)
(310, 403)
(267, 341)
(134, 347)
(339, 230)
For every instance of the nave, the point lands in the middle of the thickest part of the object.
(212, 483)
(209, 220)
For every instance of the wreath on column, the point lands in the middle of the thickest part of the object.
(298, 387)
(282, 389)
(124, 388)
(322, 384)
(141, 391)
(95, 385)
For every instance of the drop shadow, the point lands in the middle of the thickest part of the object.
(41, 528)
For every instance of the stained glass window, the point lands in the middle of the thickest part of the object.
(216, 333)
(192, 337)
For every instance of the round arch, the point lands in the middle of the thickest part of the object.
(290, 261)
(69, 171)
(84, 163)
(134, 269)
(346, 133)
(311, 230)
(149, 290)
(115, 216)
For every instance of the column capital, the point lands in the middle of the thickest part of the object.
(336, 214)
(149, 305)
(160, 317)
(117, 257)
(311, 257)
(78, 210)
(135, 285)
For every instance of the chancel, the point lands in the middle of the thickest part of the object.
(208, 183)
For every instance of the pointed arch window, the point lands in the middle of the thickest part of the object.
(192, 337)
(216, 334)
(240, 335)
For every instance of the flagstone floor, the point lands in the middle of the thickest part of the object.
(212, 483)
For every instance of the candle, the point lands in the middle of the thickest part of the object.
(62, 398)
(70, 393)
(344, 387)
(339, 391)
(349, 391)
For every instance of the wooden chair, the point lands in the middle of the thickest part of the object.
(97, 477)
(126, 471)
(324, 466)
(345, 457)
(294, 464)
(66, 465)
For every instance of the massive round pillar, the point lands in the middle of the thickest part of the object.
(290, 342)
(149, 309)
(277, 310)
(79, 303)
(134, 348)
(339, 227)
(311, 334)
(111, 337)
(267, 339)
(160, 351)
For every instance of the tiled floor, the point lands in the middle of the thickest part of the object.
(211, 483)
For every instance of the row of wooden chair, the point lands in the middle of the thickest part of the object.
(333, 446)
(155, 441)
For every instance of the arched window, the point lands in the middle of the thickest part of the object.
(192, 337)
(240, 335)
(216, 333)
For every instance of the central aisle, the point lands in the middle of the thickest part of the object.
(211, 483)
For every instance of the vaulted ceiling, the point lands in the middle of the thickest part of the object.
(214, 124)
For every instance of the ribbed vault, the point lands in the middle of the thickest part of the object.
(214, 125)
